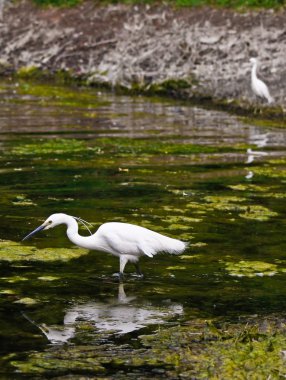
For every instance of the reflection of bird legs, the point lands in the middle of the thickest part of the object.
(122, 298)
(121, 292)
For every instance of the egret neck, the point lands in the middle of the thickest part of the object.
(253, 72)
(72, 233)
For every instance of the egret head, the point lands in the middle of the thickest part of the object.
(253, 61)
(51, 222)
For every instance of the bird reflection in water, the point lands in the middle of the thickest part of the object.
(116, 316)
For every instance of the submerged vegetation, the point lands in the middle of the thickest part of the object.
(16, 252)
(205, 349)
(115, 146)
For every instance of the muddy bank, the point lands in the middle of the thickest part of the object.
(194, 53)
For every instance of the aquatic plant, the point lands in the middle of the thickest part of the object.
(12, 252)
(251, 268)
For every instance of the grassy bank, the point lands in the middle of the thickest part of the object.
(176, 3)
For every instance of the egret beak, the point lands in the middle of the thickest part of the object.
(40, 228)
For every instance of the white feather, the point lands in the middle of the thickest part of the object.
(258, 86)
(124, 240)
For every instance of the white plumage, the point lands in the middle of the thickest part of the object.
(258, 86)
(126, 241)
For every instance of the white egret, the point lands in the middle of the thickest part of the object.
(126, 241)
(258, 86)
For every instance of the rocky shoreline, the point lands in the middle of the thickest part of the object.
(192, 53)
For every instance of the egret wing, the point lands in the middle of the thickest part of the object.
(148, 251)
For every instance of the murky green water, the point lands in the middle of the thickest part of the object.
(181, 170)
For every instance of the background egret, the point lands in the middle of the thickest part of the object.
(258, 86)
(126, 241)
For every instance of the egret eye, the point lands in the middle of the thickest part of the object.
(50, 222)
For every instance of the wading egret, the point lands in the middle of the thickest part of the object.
(126, 241)
(258, 87)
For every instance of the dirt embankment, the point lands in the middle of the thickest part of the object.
(206, 50)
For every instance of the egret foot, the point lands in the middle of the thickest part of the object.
(119, 275)
(141, 276)
(138, 271)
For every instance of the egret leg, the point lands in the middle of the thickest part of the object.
(138, 269)
(122, 262)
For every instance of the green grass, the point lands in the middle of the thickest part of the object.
(232, 3)
(177, 3)
(57, 3)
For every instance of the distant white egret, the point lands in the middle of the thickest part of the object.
(126, 241)
(258, 86)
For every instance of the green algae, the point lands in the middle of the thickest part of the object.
(178, 226)
(11, 251)
(61, 96)
(8, 292)
(180, 222)
(14, 279)
(251, 187)
(181, 219)
(251, 268)
(274, 195)
(204, 349)
(50, 147)
(190, 257)
(160, 147)
(173, 210)
(257, 212)
(270, 172)
(29, 72)
(235, 204)
(170, 87)
(48, 278)
(23, 200)
(177, 267)
(27, 301)
(259, 191)
(210, 350)
(268, 117)
(222, 202)
(199, 244)
(67, 361)
(76, 149)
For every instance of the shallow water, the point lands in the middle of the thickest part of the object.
(200, 175)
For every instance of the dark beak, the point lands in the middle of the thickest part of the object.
(40, 228)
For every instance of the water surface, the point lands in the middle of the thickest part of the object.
(196, 174)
